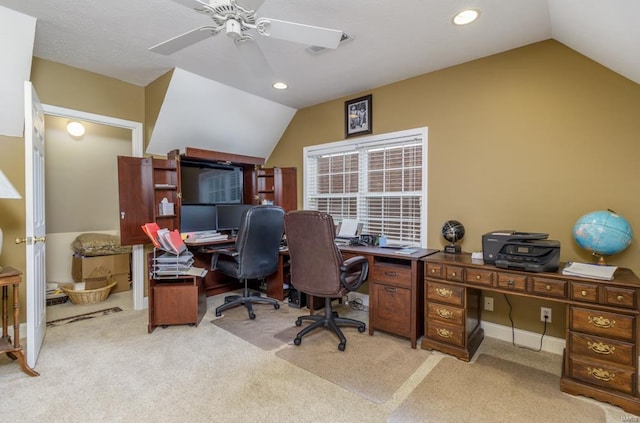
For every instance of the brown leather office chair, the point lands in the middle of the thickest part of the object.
(318, 269)
(255, 255)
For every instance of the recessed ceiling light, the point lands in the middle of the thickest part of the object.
(75, 129)
(466, 17)
(280, 86)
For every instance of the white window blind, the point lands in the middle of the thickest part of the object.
(380, 181)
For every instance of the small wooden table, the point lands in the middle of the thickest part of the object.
(10, 276)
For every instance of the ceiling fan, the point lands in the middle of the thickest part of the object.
(238, 22)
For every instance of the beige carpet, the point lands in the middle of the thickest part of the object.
(373, 367)
(502, 390)
(260, 331)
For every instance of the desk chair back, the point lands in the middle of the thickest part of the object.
(257, 243)
(315, 258)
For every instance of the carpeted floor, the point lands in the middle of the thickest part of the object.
(494, 386)
(109, 369)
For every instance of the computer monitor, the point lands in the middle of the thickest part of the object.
(230, 216)
(198, 218)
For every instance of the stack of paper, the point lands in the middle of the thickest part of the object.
(589, 271)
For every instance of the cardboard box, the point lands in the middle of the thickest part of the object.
(91, 268)
(124, 284)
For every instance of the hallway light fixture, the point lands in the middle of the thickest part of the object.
(466, 17)
(6, 191)
(75, 128)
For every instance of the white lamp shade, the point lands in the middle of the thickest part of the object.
(6, 189)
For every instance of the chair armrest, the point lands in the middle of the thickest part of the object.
(230, 252)
(353, 272)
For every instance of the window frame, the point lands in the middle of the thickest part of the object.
(369, 143)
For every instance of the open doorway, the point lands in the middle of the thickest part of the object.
(111, 137)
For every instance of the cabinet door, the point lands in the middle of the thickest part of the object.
(392, 309)
(135, 189)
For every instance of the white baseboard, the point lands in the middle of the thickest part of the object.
(523, 337)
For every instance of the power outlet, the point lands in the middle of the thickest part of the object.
(488, 303)
(545, 314)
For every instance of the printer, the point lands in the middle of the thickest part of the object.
(528, 251)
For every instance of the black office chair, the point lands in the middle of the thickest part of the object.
(318, 269)
(254, 256)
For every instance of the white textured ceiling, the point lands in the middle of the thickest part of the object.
(392, 40)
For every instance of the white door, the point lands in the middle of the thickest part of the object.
(35, 223)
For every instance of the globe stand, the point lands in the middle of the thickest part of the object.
(601, 261)
(452, 249)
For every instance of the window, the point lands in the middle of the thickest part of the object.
(379, 180)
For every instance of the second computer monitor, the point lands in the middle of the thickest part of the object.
(230, 216)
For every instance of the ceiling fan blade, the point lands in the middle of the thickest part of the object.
(300, 33)
(192, 4)
(183, 40)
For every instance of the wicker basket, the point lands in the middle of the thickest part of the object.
(89, 296)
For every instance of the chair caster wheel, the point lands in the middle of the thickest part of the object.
(165, 326)
(252, 316)
(342, 346)
(218, 314)
(298, 323)
(297, 341)
(276, 306)
(362, 328)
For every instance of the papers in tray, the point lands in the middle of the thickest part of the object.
(593, 271)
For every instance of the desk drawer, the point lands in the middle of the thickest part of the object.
(442, 332)
(445, 293)
(391, 274)
(512, 281)
(601, 349)
(550, 287)
(390, 309)
(434, 270)
(445, 313)
(620, 297)
(454, 273)
(480, 277)
(581, 291)
(596, 373)
(602, 323)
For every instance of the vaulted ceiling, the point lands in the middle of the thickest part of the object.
(231, 84)
(390, 40)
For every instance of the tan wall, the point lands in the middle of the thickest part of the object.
(530, 140)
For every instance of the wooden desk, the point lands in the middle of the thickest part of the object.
(396, 295)
(10, 276)
(603, 324)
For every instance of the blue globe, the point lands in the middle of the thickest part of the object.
(603, 232)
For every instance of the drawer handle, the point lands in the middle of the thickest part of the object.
(548, 287)
(434, 271)
(511, 282)
(444, 292)
(601, 322)
(390, 273)
(601, 348)
(583, 293)
(620, 298)
(478, 277)
(453, 274)
(392, 290)
(444, 313)
(601, 374)
(444, 333)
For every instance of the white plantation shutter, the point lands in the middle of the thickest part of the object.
(379, 180)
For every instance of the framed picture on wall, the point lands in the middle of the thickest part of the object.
(357, 116)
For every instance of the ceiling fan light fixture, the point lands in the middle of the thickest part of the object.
(280, 85)
(75, 129)
(466, 17)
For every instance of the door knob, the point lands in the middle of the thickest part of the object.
(30, 240)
